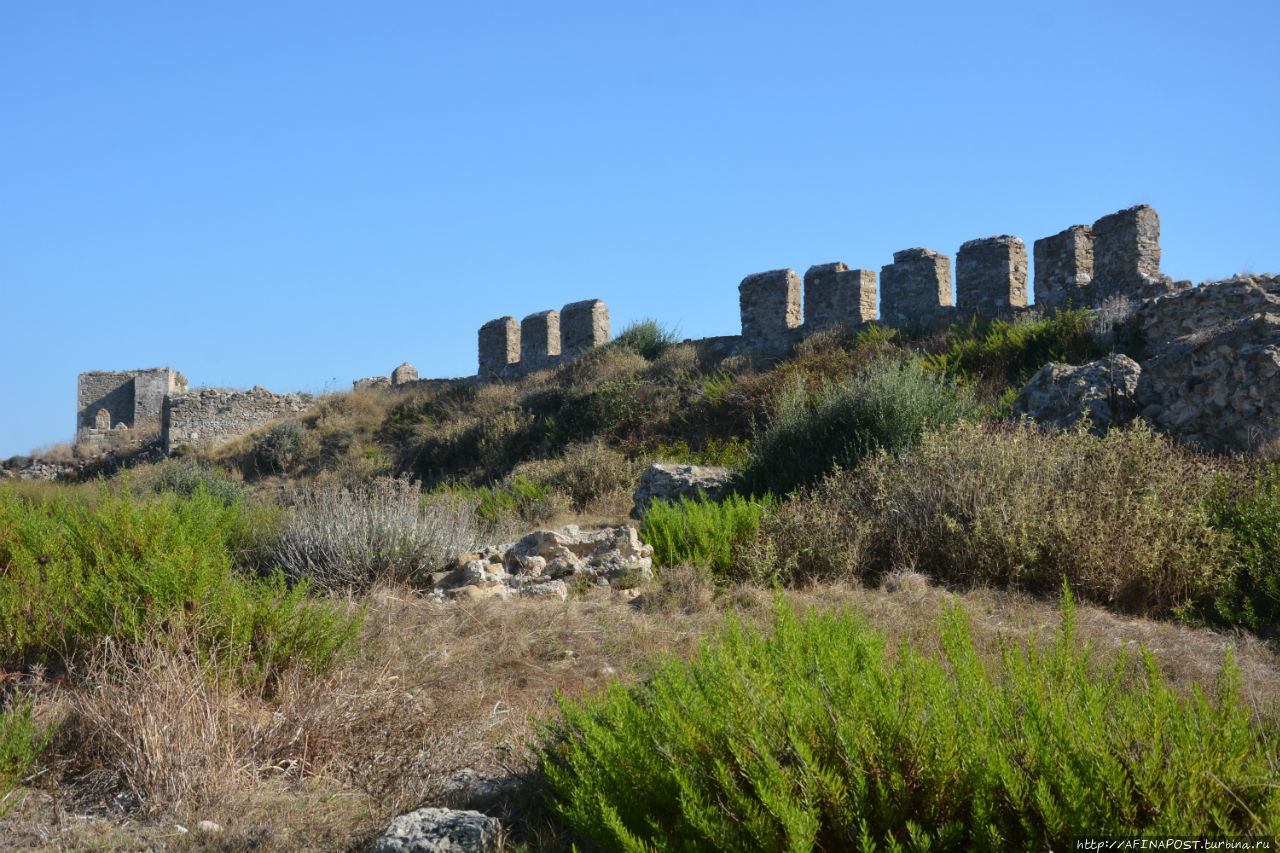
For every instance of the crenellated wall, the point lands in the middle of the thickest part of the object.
(1119, 256)
(542, 340)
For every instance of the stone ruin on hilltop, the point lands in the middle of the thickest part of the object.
(1214, 374)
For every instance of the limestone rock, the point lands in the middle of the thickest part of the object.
(468, 789)
(440, 831)
(665, 482)
(1059, 394)
(1219, 387)
(537, 565)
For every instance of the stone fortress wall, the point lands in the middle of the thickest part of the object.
(1084, 266)
(1114, 261)
(156, 402)
(108, 403)
(210, 416)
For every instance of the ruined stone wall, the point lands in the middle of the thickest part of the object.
(542, 340)
(99, 390)
(126, 399)
(1117, 258)
(209, 416)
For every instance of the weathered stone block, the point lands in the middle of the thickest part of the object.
(1126, 252)
(540, 339)
(1064, 269)
(499, 346)
(838, 297)
(915, 288)
(583, 325)
(404, 374)
(991, 276)
(770, 307)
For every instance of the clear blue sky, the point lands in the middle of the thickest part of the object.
(298, 194)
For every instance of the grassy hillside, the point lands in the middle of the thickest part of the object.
(242, 634)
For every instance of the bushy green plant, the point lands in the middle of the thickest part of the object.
(591, 471)
(1121, 515)
(280, 448)
(1008, 352)
(860, 749)
(1017, 348)
(647, 337)
(21, 742)
(732, 452)
(187, 477)
(137, 569)
(480, 449)
(1251, 515)
(518, 496)
(702, 533)
(885, 408)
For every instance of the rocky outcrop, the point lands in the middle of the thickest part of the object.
(541, 564)
(440, 831)
(469, 789)
(664, 482)
(1213, 303)
(1104, 391)
(1219, 387)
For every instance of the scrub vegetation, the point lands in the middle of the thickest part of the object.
(912, 623)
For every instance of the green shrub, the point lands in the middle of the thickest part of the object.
(186, 478)
(480, 449)
(732, 452)
(280, 448)
(702, 533)
(885, 408)
(382, 531)
(138, 569)
(1122, 516)
(1011, 351)
(647, 337)
(857, 748)
(1252, 517)
(590, 472)
(21, 743)
(517, 496)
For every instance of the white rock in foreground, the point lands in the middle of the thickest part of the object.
(440, 831)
